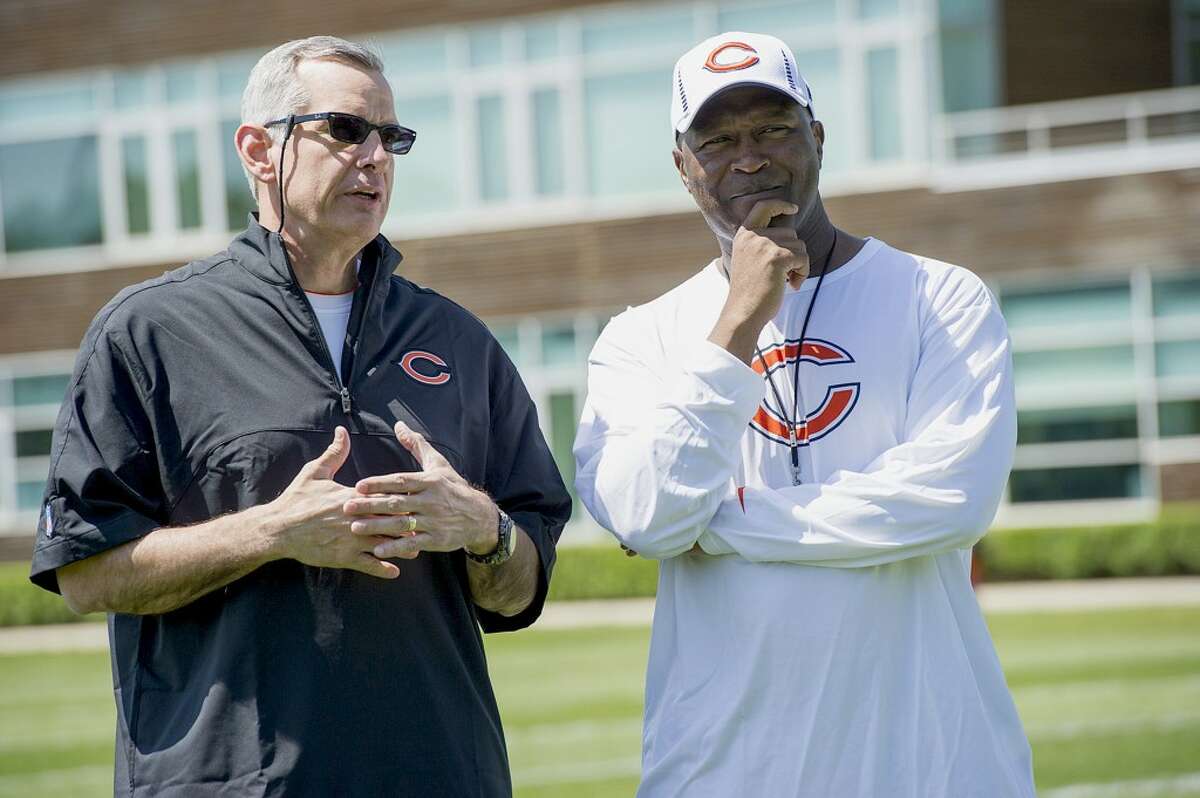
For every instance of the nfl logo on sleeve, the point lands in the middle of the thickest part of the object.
(48, 520)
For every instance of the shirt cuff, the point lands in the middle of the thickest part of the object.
(725, 376)
(711, 544)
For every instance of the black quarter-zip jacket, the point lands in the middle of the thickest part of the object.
(203, 392)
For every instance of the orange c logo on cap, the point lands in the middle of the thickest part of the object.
(712, 65)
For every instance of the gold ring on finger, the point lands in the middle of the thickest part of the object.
(412, 524)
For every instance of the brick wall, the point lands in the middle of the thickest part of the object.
(1180, 482)
(40, 35)
(1082, 227)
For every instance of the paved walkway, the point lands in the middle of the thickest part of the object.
(1091, 594)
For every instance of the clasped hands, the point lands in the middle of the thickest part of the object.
(326, 524)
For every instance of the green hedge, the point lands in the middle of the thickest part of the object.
(23, 604)
(592, 572)
(1169, 545)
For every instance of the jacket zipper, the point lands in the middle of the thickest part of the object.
(343, 389)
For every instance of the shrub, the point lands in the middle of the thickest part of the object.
(21, 603)
(1169, 545)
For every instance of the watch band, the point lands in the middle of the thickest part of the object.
(505, 543)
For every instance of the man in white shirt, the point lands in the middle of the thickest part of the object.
(810, 434)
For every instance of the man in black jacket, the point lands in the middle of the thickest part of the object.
(290, 615)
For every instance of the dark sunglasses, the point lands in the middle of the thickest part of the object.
(353, 129)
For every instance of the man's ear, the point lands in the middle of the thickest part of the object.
(677, 155)
(818, 131)
(253, 144)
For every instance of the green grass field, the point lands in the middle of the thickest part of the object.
(1105, 696)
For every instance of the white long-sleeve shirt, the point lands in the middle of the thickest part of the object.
(827, 641)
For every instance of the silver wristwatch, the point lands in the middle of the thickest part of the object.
(504, 546)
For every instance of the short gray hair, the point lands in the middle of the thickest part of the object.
(273, 91)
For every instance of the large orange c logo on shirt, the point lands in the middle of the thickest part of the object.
(713, 65)
(834, 408)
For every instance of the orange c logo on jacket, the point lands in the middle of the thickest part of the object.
(440, 376)
(713, 65)
(837, 405)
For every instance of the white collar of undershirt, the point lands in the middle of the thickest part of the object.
(334, 303)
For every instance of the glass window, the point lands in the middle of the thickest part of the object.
(182, 83)
(187, 177)
(137, 191)
(822, 71)
(509, 341)
(657, 27)
(425, 178)
(47, 390)
(486, 47)
(131, 88)
(564, 420)
(548, 142)
(558, 345)
(1177, 358)
(1050, 307)
(412, 54)
(239, 202)
(493, 149)
(1179, 418)
(1193, 60)
(1065, 370)
(970, 64)
(51, 193)
(873, 9)
(232, 73)
(1077, 424)
(29, 495)
(1177, 296)
(1069, 484)
(781, 19)
(883, 90)
(541, 40)
(22, 102)
(1187, 21)
(33, 443)
(624, 155)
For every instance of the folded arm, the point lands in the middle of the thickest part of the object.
(656, 448)
(936, 491)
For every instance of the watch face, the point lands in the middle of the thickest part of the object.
(504, 546)
(508, 541)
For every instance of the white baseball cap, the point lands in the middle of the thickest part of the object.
(733, 59)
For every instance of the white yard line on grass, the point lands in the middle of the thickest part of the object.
(1090, 594)
(1001, 597)
(577, 772)
(1102, 728)
(1098, 689)
(580, 614)
(55, 638)
(574, 731)
(1185, 784)
(543, 734)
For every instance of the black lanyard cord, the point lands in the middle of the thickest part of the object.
(291, 123)
(794, 420)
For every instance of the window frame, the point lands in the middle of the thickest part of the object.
(1149, 450)
(909, 31)
(16, 470)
